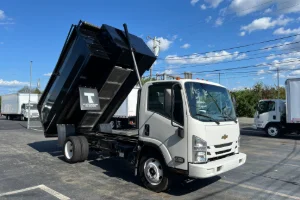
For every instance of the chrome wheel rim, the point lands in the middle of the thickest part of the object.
(272, 131)
(153, 171)
(69, 149)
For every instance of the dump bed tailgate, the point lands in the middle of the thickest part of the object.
(92, 57)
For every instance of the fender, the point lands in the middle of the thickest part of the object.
(159, 146)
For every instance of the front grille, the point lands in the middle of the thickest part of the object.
(221, 152)
(219, 157)
(223, 145)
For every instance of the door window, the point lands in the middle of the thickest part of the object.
(157, 103)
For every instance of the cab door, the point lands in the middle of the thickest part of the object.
(155, 122)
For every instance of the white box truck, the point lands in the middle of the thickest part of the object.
(279, 116)
(16, 106)
(125, 117)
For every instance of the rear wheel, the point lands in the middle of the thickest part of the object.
(8, 117)
(22, 118)
(154, 173)
(273, 131)
(72, 149)
(84, 148)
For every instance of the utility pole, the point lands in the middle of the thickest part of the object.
(28, 120)
(155, 49)
(277, 82)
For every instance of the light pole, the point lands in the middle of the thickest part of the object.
(28, 120)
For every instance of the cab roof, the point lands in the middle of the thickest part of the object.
(182, 81)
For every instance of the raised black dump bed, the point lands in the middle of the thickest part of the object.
(92, 57)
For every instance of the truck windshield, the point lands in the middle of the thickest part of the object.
(32, 106)
(265, 106)
(209, 102)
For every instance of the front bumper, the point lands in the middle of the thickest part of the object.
(216, 167)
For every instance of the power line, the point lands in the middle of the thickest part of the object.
(250, 66)
(237, 60)
(242, 52)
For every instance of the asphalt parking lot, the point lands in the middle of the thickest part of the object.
(32, 167)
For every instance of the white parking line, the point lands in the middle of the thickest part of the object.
(261, 190)
(42, 187)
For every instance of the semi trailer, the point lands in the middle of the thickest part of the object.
(278, 116)
(97, 69)
(17, 106)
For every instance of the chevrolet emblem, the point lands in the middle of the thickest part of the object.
(224, 137)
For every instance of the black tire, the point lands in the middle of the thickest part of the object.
(165, 180)
(76, 149)
(25, 118)
(8, 117)
(273, 131)
(22, 118)
(84, 148)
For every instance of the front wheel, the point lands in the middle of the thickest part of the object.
(154, 173)
(273, 131)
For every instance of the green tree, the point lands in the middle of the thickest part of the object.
(247, 99)
(145, 80)
(25, 89)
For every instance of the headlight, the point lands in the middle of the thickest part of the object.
(199, 150)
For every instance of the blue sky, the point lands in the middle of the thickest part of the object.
(191, 35)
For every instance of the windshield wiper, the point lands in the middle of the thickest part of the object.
(229, 117)
(211, 118)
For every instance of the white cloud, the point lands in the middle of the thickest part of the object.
(241, 56)
(268, 10)
(213, 3)
(208, 19)
(286, 55)
(193, 2)
(7, 23)
(286, 63)
(244, 7)
(260, 72)
(185, 46)
(211, 57)
(48, 74)
(180, 39)
(174, 37)
(164, 43)
(210, 45)
(281, 75)
(12, 83)
(4, 20)
(266, 23)
(242, 33)
(219, 21)
(282, 31)
(203, 7)
(296, 72)
(2, 15)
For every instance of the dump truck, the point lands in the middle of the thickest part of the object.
(97, 69)
(280, 116)
(17, 106)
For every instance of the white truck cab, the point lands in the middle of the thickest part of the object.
(202, 135)
(25, 111)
